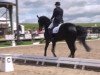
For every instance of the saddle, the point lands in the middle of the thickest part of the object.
(56, 29)
(53, 31)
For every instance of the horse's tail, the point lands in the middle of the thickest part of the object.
(81, 36)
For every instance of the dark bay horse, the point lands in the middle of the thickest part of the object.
(68, 32)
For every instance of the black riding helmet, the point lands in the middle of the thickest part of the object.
(57, 3)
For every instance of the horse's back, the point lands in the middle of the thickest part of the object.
(67, 27)
(67, 31)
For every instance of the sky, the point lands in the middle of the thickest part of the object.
(75, 11)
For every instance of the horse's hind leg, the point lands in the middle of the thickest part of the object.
(71, 46)
(82, 40)
(46, 46)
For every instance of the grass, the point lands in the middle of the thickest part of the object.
(25, 43)
(9, 43)
(5, 43)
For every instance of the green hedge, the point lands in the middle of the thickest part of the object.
(34, 26)
(30, 26)
(88, 24)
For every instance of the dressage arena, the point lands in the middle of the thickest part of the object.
(30, 68)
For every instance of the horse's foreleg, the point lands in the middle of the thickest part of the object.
(46, 46)
(53, 48)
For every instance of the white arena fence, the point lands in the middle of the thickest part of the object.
(27, 36)
(93, 35)
(40, 36)
(57, 60)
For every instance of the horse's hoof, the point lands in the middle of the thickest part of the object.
(55, 56)
(69, 56)
(88, 50)
(45, 55)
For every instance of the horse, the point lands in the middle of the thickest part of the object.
(67, 31)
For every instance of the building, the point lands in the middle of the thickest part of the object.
(5, 26)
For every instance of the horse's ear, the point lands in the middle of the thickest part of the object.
(38, 17)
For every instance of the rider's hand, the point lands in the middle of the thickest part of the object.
(62, 21)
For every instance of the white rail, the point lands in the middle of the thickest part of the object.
(58, 60)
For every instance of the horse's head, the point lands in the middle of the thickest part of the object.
(40, 23)
(43, 21)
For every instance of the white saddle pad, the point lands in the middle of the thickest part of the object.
(56, 29)
(50, 26)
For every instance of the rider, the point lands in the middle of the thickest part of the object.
(57, 16)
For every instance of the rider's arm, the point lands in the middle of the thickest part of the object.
(53, 14)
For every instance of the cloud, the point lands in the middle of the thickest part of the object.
(37, 4)
(96, 18)
(81, 20)
(93, 19)
(74, 10)
(7, 1)
(88, 10)
(2, 0)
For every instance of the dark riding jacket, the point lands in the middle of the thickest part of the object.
(57, 15)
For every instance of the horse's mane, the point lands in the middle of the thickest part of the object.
(44, 17)
(44, 20)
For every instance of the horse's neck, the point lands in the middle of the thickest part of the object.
(46, 28)
(46, 25)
